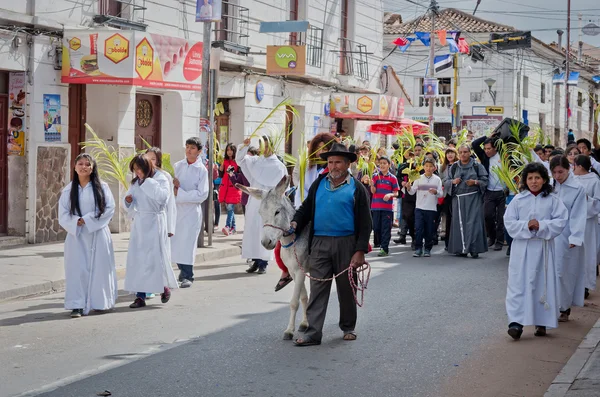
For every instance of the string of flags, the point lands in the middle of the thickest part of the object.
(451, 39)
(559, 78)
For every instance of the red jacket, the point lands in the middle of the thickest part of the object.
(228, 193)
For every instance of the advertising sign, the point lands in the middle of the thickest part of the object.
(131, 58)
(16, 114)
(367, 107)
(430, 88)
(286, 60)
(52, 123)
(208, 10)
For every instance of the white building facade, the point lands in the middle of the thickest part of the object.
(344, 52)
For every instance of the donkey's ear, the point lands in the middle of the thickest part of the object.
(282, 185)
(256, 193)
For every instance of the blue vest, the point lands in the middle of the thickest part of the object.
(334, 210)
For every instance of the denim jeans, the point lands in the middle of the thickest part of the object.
(141, 295)
(382, 226)
(261, 263)
(230, 223)
(187, 272)
(425, 228)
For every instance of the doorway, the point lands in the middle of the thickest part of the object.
(77, 118)
(147, 121)
(3, 164)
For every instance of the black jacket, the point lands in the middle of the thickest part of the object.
(363, 223)
(483, 158)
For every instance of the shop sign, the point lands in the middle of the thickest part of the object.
(366, 107)
(494, 109)
(259, 91)
(52, 122)
(208, 10)
(16, 114)
(131, 58)
(288, 60)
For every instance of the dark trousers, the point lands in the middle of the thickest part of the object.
(425, 228)
(376, 233)
(382, 228)
(494, 204)
(447, 210)
(329, 256)
(408, 219)
(186, 272)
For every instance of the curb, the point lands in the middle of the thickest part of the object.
(567, 376)
(50, 287)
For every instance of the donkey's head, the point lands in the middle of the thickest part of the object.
(275, 209)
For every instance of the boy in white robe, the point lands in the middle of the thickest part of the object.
(534, 218)
(191, 190)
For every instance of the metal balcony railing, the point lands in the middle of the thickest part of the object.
(354, 59)
(313, 40)
(123, 14)
(444, 101)
(232, 33)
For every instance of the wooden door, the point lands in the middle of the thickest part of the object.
(77, 117)
(147, 120)
(3, 164)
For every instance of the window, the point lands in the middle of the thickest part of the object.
(543, 93)
(445, 86)
(110, 7)
(580, 99)
(525, 87)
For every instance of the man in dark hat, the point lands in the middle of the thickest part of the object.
(338, 213)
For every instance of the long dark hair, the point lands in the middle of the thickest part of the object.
(99, 199)
(560, 161)
(585, 162)
(539, 168)
(446, 163)
(233, 148)
(142, 161)
(158, 153)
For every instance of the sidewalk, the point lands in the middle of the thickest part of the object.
(580, 377)
(39, 268)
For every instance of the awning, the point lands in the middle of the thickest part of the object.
(131, 58)
(399, 127)
(367, 107)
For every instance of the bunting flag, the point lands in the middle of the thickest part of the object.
(442, 62)
(455, 34)
(442, 36)
(404, 42)
(453, 46)
(424, 37)
(573, 78)
(558, 79)
(463, 46)
(596, 79)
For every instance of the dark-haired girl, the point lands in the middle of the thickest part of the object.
(228, 193)
(86, 207)
(534, 219)
(148, 263)
(588, 178)
(569, 245)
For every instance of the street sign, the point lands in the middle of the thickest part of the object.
(591, 29)
(494, 109)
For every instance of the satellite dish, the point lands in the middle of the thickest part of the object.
(591, 29)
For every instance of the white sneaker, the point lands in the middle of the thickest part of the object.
(186, 283)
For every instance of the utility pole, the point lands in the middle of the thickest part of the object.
(455, 98)
(433, 8)
(206, 124)
(567, 69)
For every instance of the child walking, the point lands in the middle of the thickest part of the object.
(228, 193)
(534, 219)
(86, 207)
(428, 189)
(384, 187)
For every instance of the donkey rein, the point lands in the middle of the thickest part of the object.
(358, 279)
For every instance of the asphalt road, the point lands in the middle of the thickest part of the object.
(423, 319)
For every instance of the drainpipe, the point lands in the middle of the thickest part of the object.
(560, 33)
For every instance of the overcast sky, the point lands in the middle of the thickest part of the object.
(542, 17)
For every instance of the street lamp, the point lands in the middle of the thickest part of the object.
(490, 83)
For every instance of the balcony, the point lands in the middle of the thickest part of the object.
(444, 101)
(122, 14)
(354, 59)
(232, 33)
(313, 40)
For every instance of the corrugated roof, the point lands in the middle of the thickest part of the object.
(447, 19)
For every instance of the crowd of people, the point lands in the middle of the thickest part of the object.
(550, 228)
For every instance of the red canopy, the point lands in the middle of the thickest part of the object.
(396, 127)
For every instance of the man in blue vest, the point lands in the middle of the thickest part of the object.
(338, 212)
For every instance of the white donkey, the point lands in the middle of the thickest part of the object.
(277, 212)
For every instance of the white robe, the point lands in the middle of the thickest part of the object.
(262, 173)
(532, 293)
(91, 279)
(192, 192)
(310, 175)
(171, 205)
(570, 269)
(591, 183)
(148, 263)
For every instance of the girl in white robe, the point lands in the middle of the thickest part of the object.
(534, 218)
(589, 179)
(86, 206)
(148, 263)
(569, 245)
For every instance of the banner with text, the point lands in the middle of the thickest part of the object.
(367, 107)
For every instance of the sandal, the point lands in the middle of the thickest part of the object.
(351, 335)
(306, 342)
(283, 281)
